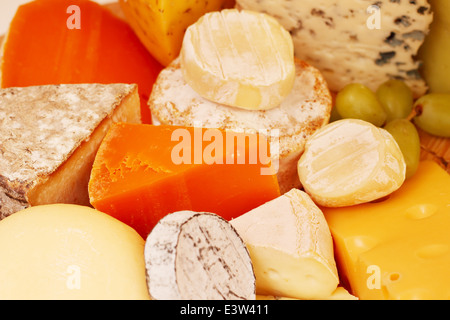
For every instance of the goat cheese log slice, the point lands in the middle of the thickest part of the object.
(355, 41)
(349, 162)
(239, 58)
(306, 109)
(197, 256)
(291, 247)
(49, 136)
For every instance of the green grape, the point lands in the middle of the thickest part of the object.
(356, 101)
(396, 98)
(335, 116)
(433, 114)
(407, 138)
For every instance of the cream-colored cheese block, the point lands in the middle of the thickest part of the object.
(197, 256)
(355, 41)
(68, 252)
(239, 58)
(306, 109)
(350, 162)
(291, 247)
(49, 138)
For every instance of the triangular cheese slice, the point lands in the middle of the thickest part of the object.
(49, 138)
(291, 247)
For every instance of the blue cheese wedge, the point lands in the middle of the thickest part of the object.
(353, 40)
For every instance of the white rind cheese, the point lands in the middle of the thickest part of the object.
(355, 40)
(197, 256)
(291, 247)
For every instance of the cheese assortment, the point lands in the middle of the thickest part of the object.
(50, 136)
(355, 41)
(191, 255)
(197, 147)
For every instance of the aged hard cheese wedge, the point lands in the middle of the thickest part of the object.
(291, 247)
(238, 58)
(197, 256)
(49, 138)
(62, 251)
(143, 172)
(349, 162)
(355, 41)
(161, 24)
(398, 248)
(306, 109)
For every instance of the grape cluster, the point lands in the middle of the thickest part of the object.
(393, 108)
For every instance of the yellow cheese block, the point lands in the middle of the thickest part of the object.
(398, 248)
(161, 24)
(291, 247)
(239, 58)
(63, 251)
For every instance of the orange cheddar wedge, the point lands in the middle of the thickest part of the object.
(143, 172)
(72, 42)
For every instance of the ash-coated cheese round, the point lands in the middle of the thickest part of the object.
(197, 256)
(287, 127)
(349, 162)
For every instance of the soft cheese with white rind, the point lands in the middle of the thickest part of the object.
(197, 256)
(350, 162)
(239, 58)
(306, 109)
(351, 41)
(291, 247)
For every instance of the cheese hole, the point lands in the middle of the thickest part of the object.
(394, 276)
(421, 211)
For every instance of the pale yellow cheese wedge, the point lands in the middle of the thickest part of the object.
(339, 294)
(239, 58)
(66, 252)
(291, 248)
(350, 162)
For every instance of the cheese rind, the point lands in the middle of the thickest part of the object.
(397, 248)
(239, 58)
(291, 247)
(50, 137)
(191, 255)
(355, 41)
(349, 162)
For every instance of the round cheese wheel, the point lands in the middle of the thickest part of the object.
(63, 252)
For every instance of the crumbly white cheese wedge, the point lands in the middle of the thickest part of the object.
(49, 136)
(197, 256)
(353, 40)
(350, 162)
(239, 58)
(291, 247)
(306, 109)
